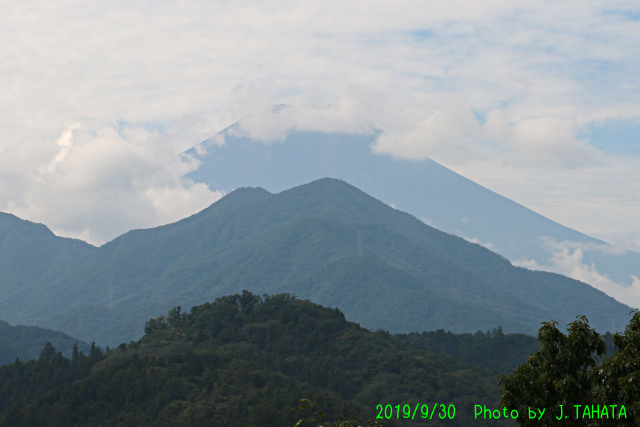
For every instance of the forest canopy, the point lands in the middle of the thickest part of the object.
(243, 360)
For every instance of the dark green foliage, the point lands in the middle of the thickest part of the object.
(48, 351)
(494, 350)
(326, 241)
(574, 369)
(25, 342)
(618, 377)
(247, 360)
(317, 418)
(23, 382)
(559, 373)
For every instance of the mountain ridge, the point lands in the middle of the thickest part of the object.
(26, 342)
(424, 188)
(252, 239)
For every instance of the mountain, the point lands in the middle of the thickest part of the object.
(326, 241)
(425, 189)
(247, 360)
(28, 250)
(26, 342)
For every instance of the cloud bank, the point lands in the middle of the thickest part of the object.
(568, 259)
(97, 98)
(97, 185)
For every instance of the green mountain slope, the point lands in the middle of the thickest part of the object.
(246, 360)
(325, 240)
(28, 250)
(25, 342)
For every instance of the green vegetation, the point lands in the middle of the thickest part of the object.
(494, 351)
(574, 369)
(25, 342)
(325, 241)
(317, 418)
(22, 382)
(244, 360)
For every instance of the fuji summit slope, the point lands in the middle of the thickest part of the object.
(431, 192)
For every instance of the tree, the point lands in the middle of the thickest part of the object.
(155, 324)
(618, 377)
(47, 352)
(564, 384)
(559, 373)
(175, 316)
(75, 353)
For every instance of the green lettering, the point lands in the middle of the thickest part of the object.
(577, 410)
(541, 412)
(485, 413)
(622, 412)
(477, 410)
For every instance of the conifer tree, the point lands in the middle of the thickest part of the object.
(48, 351)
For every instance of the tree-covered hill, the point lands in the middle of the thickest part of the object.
(326, 241)
(247, 360)
(25, 342)
(492, 350)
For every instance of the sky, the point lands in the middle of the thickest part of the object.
(536, 100)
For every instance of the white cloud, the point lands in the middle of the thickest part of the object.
(429, 222)
(567, 259)
(64, 142)
(489, 245)
(498, 90)
(263, 122)
(101, 184)
(531, 264)
(624, 236)
(569, 262)
(445, 135)
(543, 140)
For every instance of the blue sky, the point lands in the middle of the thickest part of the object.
(615, 136)
(537, 100)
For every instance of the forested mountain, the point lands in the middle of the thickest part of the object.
(424, 188)
(244, 360)
(326, 241)
(25, 342)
